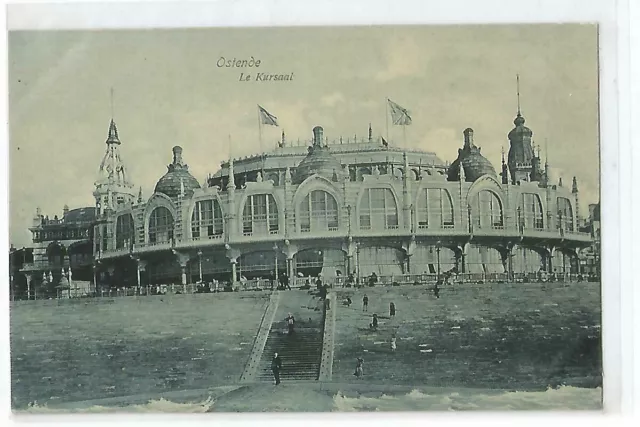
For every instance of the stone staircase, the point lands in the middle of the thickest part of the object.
(301, 352)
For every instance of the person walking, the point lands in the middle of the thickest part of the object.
(374, 322)
(276, 367)
(392, 309)
(290, 323)
(359, 367)
(393, 343)
(365, 302)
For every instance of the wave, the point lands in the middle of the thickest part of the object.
(299, 398)
(152, 406)
(562, 398)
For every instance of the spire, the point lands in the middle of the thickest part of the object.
(283, 140)
(232, 178)
(574, 186)
(502, 150)
(518, 92)
(370, 133)
(140, 195)
(560, 182)
(113, 134)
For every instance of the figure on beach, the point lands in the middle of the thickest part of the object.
(374, 322)
(365, 302)
(359, 367)
(393, 343)
(276, 367)
(392, 309)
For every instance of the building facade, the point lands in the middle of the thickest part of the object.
(334, 208)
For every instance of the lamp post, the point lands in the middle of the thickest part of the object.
(438, 257)
(200, 264)
(275, 253)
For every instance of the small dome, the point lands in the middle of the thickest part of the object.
(85, 215)
(177, 178)
(319, 161)
(474, 163)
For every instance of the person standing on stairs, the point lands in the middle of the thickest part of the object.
(276, 366)
(290, 323)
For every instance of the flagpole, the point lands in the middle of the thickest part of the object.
(260, 129)
(387, 119)
(404, 135)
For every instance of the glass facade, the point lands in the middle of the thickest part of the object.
(435, 209)
(124, 231)
(206, 220)
(531, 211)
(565, 215)
(318, 212)
(260, 215)
(161, 225)
(378, 210)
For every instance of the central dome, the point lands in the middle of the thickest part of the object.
(473, 162)
(319, 161)
(177, 179)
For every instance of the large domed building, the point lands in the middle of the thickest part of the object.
(334, 206)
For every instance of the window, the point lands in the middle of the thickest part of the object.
(565, 215)
(378, 210)
(435, 209)
(318, 212)
(531, 211)
(260, 215)
(206, 220)
(161, 226)
(486, 210)
(124, 231)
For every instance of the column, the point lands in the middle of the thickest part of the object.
(28, 286)
(234, 275)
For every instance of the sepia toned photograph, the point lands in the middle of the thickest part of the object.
(305, 219)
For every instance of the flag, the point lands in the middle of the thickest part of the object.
(399, 115)
(384, 142)
(267, 118)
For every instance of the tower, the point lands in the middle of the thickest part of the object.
(113, 188)
(520, 158)
(505, 173)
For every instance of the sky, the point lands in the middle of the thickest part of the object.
(168, 90)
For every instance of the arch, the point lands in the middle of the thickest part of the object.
(207, 220)
(434, 208)
(56, 253)
(260, 215)
(125, 231)
(565, 215)
(564, 261)
(487, 210)
(160, 226)
(382, 260)
(378, 209)
(415, 174)
(80, 254)
(425, 259)
(261, 264)
(398, 173)
(318, 211)
(527, 260)
(327, 262)
(484, 259)
(531, 212)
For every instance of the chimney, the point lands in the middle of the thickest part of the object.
(317, 136)
(177, 155)
(468, 138)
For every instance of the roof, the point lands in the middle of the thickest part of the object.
(177, 179)
(82, 215)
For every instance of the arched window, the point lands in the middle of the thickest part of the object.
(486, 210)
(435, 209)
(260, 215)
(378, 210)
(206, 220)
(531, 211)
(125, 231)
(318, 212)
(161, 225)
(565, 214)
